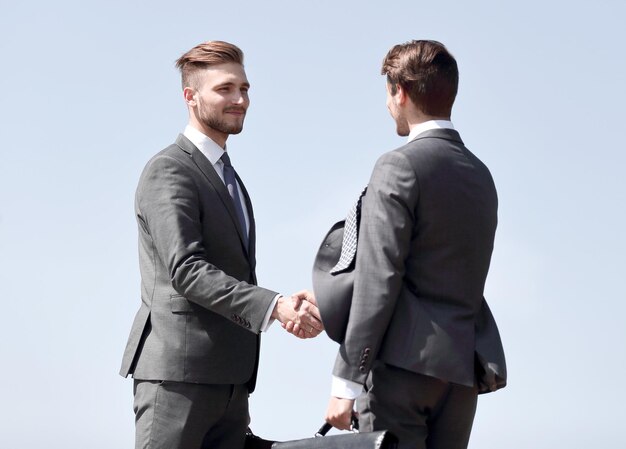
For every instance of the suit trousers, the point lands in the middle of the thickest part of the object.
(422, 411)
(179, 415)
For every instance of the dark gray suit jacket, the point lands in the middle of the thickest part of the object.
(425, 242)
(201, 312)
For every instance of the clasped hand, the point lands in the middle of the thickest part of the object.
(299, 315)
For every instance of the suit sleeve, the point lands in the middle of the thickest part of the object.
(388, 216)
(167, 207)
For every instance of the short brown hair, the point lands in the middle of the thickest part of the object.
(427, 72)
(204, 55)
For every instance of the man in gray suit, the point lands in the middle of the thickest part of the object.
(193, 349)
(419, 331)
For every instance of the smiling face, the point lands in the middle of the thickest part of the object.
(219, 100)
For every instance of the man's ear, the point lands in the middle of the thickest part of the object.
(189, 95)
(401, 95)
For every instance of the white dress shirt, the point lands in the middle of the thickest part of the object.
(430, 124)
(213, 152)
(344, 388)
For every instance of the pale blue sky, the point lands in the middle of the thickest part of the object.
(89, 94)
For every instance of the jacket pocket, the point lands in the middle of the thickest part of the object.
(179, 304)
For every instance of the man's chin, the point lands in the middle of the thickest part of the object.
(235, 129)
(402, 132)
(232, 128)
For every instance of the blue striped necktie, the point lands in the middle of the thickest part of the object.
(231, 184)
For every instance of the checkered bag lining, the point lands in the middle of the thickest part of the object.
(350, 237)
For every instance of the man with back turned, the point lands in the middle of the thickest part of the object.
(420, 343)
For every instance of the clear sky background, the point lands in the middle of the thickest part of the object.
(89, 93)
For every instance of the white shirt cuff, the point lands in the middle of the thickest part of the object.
(345, 389)
(267, 321)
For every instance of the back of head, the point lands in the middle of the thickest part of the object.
(427, 72)
(205, 55)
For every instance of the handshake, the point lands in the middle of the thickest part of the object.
(299, 315)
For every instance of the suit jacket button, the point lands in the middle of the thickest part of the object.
(233, 317)
(362, 369)
(366, 351)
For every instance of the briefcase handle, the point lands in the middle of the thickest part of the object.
(326, 427)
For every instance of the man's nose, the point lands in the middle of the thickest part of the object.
(239, 98)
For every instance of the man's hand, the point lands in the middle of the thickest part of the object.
(339, 413)
(299, 314)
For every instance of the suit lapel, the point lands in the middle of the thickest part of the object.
(211, 175)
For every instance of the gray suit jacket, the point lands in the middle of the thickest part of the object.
(201, 311)
(425, 242)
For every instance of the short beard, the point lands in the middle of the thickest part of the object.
(221, 126)
(402, 127)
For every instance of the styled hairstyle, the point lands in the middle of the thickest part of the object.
(427, 72)
(203, 56)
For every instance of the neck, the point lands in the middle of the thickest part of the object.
(419, 117)
(216, 136)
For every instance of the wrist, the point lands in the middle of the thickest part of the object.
(275, 313)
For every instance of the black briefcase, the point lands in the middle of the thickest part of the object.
(256, 442)
(382, 439)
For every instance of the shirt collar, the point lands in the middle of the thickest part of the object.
(430, 124)
(211, 150)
